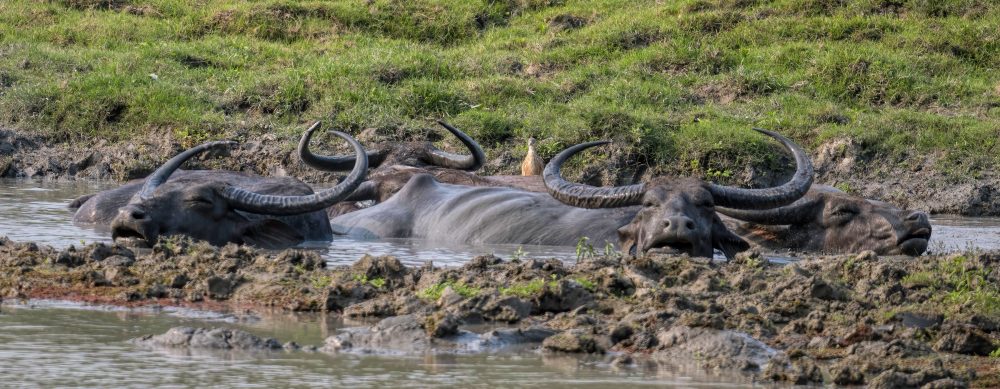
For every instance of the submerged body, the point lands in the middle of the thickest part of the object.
(427, 209)
(665, 215)
(827, 220)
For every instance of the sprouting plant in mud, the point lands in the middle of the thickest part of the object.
(434, 292)
(584, 249)
(586, 283)
(519, 254)
(377, 282)
(321, 281)
(609, 250)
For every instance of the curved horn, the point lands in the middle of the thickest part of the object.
(461, 162)
(792, 190)
(794, 213)
(437, 157)
(164, 171)
(293, 205)
(586, 196)
(335, 164)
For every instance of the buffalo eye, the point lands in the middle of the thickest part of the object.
(843, 212)
(199, 201)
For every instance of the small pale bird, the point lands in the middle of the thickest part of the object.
(532, 164)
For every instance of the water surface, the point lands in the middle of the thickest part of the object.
(53, 344)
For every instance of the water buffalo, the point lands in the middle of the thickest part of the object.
(666, 215)
(415, 154)
(830, 221)
(218, 206)
(392, 165)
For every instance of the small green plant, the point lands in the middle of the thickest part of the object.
(434, 292)
(715, 174)
(584, 249)
(526, 289)
(844, 187)
(609, 250)
(377, 282)
(519, 254)
(321, 281)
(995, 354)
(587, 284)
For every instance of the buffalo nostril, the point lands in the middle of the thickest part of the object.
(137, 214)
(689, 224)
(666, 224)
(916, 216)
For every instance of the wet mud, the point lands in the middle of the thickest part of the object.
(931, 321)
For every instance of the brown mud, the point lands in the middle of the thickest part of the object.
(931, 321)
(918, 185)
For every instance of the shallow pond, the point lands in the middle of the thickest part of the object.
(54, 344)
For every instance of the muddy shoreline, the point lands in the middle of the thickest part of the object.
(839, 163)
(848, 320)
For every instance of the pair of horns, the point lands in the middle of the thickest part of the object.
(434, 157)
(586, 196)
(252, 202)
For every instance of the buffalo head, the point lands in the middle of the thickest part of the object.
(223, 206)
(678, 215)
(831, 221)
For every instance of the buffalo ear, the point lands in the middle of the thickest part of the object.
(726, 241)
(270, 234)
(627, 239)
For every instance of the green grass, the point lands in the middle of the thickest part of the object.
(678, 83)
(377, 282)
(433, 292)
(957, 286)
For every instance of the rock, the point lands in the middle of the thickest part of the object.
(847, 375)
(219, 288)
(441, 325)
(621, 332)
(892, 379)
(178, 281)
(919, 320)
(387, 268)
(209, 338)
(572, 341)
(416, 333)
(567, 295)
(945, 383)
(801, 371)
(718, 348)
(397, 333)
(508, 309)
(964, 340)
(515, 336)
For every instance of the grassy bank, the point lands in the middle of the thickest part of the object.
(679, 82)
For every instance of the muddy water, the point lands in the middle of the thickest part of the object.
(36, 211)
(52, 344)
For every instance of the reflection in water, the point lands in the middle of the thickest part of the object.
(57, 345)
(36, 211)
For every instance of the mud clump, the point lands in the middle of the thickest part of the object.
(213, 338)
(848, 320)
